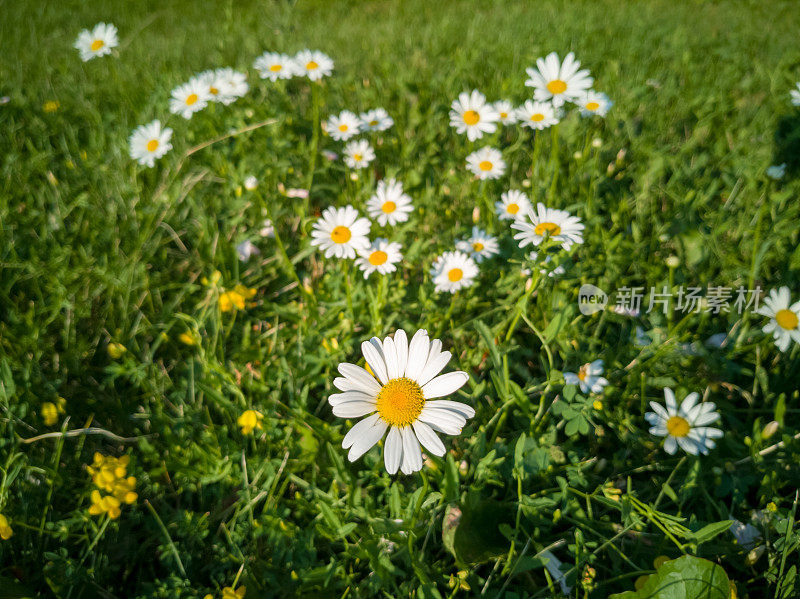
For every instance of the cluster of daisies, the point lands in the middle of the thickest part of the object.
(358, 153)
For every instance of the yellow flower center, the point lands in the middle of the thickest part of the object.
(786, 319)
(341, 234)
(96, 45)
(478, 246)
(191, 99)
(503, 115)
(455, 275)
(357, 157)
(485, 165)
(543, 228)
(389, 207)
(512, 208)
(378, 257)
(311, 65)
(583, 372)
(213, 90)
(152, 145)
(275, 68)
(471, 117)
(343, 127)
(678, 427)
(537, 117)
(592, 106)
(373, 123)
(556, 86)
(400, 402)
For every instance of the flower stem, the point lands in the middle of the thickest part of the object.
(554, 161)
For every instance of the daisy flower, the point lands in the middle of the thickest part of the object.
(340, 232)
(795, 95)
(512, 205)
(246, 249)
(398, 398)
(784, 318)
(97, 42)
(250, 183)
(588, 377)
(593, 102)
(149, 142)
(471, 114)
(560, 225)
(505, 112)
(344, 126)
(486, 163)
(684, 425)
(557, 81)
(274, 66)
(314, 65)
(453, 271)
(380, 256)
(376, 119)
(389, 204)
(226, 85)
(358, 154)
(479, 246)
(189, 97)
(537, 115)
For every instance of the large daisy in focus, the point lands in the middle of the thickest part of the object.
(340, 232)
(376, 119)
(453, 271)
(471, 114)
(312, 64)
(557, 81)
(537, 115)
(684, 426)
(274, 66)
(381, 257)
(343, 126)
(401, 396)
(486, 163)
(479, 246)
(512, 205)
(97, 42)
(190, 97)
(558, 225)
(389, 205)
(594, 103)
(149, 142)
(784, 323)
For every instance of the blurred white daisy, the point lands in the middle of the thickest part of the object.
(795, 95)
(588, 377)
(189, 97)
(557, 81)
(506, 113)
(97, 42)
(776, 171)
(546, 266)
(226, 85)
(479, 246)
(274, 66)
(471, 114)
(453, 271)
(784, 317)
(358, 154)
(246, 249)
(380, 256)
(313, 64)
(537, 115)
(343, 126)
(340, 232)
(250, 183)
(559, 225)
(684, 426)
(376, 119)
(150, 142)
(594, 103)
(486, 163)
(512, 205)
(267, 228)
(390, 204)
(396, 394)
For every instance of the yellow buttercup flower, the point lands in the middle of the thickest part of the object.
(250, 420)
(51, 411)
(229, 593)
(235, 298)
(5, 528)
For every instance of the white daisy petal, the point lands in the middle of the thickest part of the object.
(358, 430)
(428, 438)
(362, 379)
(353, 409)
(393, 450)
(367, 440)
(375, 359)
(445, 384)
(412, 455)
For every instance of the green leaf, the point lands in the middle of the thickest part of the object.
(687, 577)
(710, 531)
(488, 339)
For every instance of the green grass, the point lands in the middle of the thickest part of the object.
(96, 250)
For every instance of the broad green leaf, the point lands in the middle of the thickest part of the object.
(687, 577)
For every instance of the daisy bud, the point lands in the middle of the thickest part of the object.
(476, 214)
(770, 429)
(250, 183)
(672, 261)
(577, 155)
(597, 142)
(754, 555)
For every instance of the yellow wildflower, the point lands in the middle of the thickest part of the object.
(107, 504)
(229, 593)
(115, 350)
(51, 411)
(235, 298)
(5, 528)
(249, 420)
(187, 339)
(51, 106)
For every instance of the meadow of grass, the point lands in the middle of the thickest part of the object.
(110, 313)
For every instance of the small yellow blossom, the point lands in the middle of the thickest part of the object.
(597, 405)
(249, 420)
(115, 350)
(235, 298)
(110, 474)
(5, 528)
(107, 504)
(213, 280)
(51, 106)
(187, 339)
(229, 593)
(51, 411)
